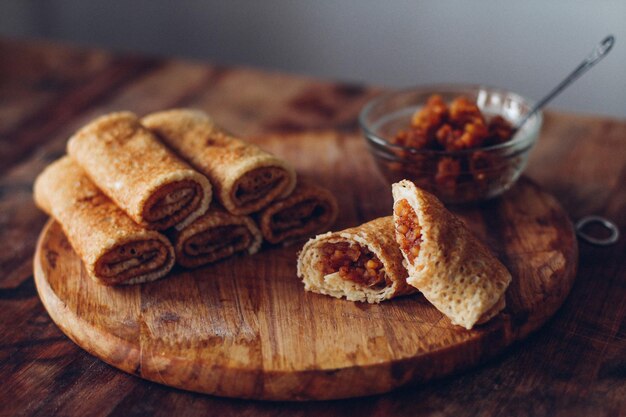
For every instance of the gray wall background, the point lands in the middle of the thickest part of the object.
(526, 46)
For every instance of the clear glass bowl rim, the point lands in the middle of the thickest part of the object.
(523, 141)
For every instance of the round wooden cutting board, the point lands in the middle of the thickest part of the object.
(245, 327)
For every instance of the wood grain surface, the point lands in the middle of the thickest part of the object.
(573, 366)
(245, 327)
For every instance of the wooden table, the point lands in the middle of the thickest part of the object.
(575, 365)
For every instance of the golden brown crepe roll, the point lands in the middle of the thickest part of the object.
(446, 262)
(363, 263)
(309, 209)
(145, 179)
(216, 235)
(114, 249)
(245, 177)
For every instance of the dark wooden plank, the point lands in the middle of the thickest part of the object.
(73, 91)
(573, 366)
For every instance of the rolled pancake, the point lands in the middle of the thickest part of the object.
(246, 178)
(446, 262)
(215, 235)
(113, 248)
(308, 210)
(145, 179)
(362, 263)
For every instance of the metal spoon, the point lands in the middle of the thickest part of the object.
(599, 52)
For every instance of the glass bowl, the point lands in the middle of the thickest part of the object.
(484, 172)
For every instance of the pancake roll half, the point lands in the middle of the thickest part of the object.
(114, 249)
(245, 177)
(454, 270)
(145, 179)
(308, 210)
(215, 235)
(362, 263)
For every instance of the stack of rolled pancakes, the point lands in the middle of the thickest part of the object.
(134, 196)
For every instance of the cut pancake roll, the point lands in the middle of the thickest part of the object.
(145, 179)
(114, 249)
(361, 264)
(445, 261)
(308, 210)
(246, 178)
(214, 236)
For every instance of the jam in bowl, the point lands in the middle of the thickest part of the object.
(457, 142)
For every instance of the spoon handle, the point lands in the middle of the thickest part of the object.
(599, 52)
